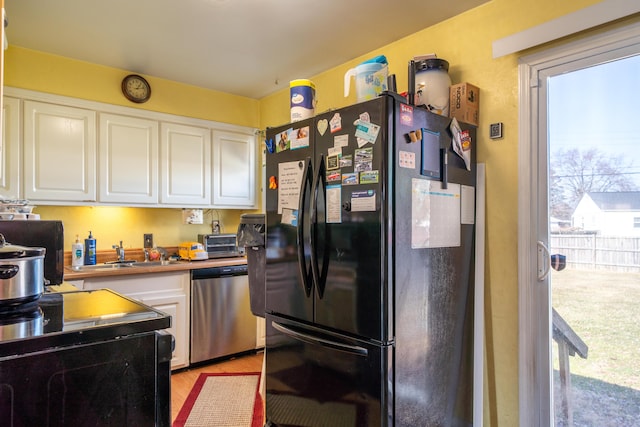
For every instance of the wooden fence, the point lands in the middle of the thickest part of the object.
(593, 252)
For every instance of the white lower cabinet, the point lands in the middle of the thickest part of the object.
(167, 292)
(261, 332)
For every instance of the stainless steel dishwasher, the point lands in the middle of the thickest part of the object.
(221, 320)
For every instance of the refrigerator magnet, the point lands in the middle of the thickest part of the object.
(334, 204)
(273, 183)
(271, 146)
(341, 140)
(322, 126)
(334, 177)
(334, 151)
(284, 141)
(335, 124)
(350, 178)
(363, 201)
(300, 138)
(406, 115)
(369, 177)
(346, 161)
(332, 162)
(364, 159)
(367, 131)
(407, 159)
(290, 216)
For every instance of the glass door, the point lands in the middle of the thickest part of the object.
(594, 225)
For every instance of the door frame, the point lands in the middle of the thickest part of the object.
(534, 305)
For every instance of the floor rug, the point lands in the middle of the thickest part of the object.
(223, 400)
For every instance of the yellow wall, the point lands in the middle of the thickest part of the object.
(42, 72)
(465, 41)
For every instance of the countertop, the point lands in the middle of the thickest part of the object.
(70, 274)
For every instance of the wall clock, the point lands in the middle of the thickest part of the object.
(136, 89)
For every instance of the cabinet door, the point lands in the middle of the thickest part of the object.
(234, 169)
(59, 152)
(128, 159)
(167, 292)
(260, 332)
(186, 165)
(174, 306)
(10, 158)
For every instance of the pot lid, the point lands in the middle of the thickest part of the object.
(8, 251)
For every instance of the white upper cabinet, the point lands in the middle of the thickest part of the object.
(128, 159)
(59, 153)
(10, 158)
(185, 170)
(66, 151)
(234, 169)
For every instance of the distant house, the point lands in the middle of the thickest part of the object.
(609, 213)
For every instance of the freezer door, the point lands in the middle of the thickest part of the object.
(318, 379)
(350, 237)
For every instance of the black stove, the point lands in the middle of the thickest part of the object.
(78, 317)
(85, 358)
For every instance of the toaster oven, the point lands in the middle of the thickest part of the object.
(220, 245)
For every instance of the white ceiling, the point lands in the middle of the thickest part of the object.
(244, 47)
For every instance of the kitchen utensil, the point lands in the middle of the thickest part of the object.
(371, 78)
(21, 273)
(21, 323)
(432, 84)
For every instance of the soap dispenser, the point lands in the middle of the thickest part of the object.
(90, 250)
(77, 253)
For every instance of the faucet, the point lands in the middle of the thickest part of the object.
(119, 251)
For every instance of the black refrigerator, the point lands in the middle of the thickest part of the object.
(369, 269)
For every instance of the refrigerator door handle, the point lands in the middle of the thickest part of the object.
(300, 336)
(305, 271)
(319, 277)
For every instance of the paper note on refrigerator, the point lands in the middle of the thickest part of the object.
(290, 176)
(435, 214)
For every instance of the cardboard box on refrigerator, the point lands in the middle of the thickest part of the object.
(464, 103)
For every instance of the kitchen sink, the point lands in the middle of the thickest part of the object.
(153, 263)
(114, 265)
(105, 266)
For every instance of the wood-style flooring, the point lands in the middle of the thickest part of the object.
(182, 382)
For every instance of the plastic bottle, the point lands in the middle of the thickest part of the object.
(77, 253)
(90, 250)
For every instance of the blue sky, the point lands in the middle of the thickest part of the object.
(598, 107)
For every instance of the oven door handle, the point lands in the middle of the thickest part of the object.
(311, 339)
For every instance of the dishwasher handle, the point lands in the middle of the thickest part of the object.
(215, 272)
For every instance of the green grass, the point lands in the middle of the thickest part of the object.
(603, 308)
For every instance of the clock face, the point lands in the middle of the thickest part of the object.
(136, 89)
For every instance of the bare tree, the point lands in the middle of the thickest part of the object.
(575, 172)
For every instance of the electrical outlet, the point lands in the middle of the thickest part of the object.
(215, 226)
(148, 240)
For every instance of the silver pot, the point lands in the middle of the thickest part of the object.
(24, 325)
(21, 273)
